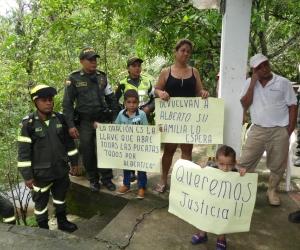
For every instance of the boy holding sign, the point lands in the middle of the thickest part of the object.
(225, 161)
(132, 115)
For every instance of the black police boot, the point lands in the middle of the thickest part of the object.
(295, 217)
(43, 224)
(95, 186)
(63, 223)
(110, 186)
(12, 222)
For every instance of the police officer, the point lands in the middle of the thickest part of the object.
(140, 83)
(44, 149)
(95, 99)
(7, 211)
(134, 80)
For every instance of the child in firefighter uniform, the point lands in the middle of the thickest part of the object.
(7, 211)
(44, 149)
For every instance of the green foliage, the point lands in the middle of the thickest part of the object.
(31, 222)
(275, 33)
(40, 41)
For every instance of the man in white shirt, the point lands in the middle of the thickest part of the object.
(273, 109)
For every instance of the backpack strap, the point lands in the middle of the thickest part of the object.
(61, 118)
(30, 125)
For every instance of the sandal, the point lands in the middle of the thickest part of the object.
(221, 244)
(160, 188)
(198, 239)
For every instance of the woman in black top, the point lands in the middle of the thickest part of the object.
(179, 80)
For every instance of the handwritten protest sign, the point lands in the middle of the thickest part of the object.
(191, 120)
(212, 200)
(128, 147)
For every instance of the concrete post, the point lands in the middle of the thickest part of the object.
(233, 66)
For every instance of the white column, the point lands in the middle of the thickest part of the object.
(233, 67)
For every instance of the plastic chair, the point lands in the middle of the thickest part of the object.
(244, 136)
(211, 150)
(289, 162)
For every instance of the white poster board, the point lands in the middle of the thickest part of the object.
(131, 147)
(212, 200)
(191, 120)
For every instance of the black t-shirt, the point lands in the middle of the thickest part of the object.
(181, 87)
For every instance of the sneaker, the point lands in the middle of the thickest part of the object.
(123, 190)
(141, 194)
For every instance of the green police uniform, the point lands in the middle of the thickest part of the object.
(94, 97)
(43, 156)
(7, 211)
(142, 85)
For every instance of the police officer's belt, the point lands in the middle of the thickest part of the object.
(94, 117)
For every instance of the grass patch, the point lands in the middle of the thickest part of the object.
(31, 222)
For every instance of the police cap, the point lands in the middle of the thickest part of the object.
(133, 59)
(87, 53)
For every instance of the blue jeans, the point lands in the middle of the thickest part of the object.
(142, 179)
